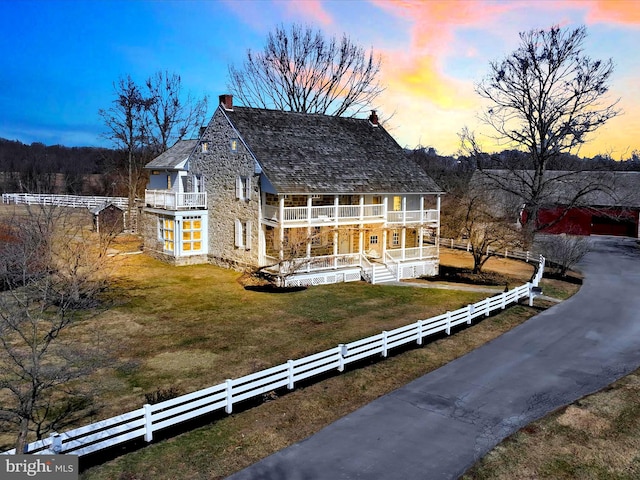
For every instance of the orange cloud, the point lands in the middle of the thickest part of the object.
(613, 11)
(419, 77)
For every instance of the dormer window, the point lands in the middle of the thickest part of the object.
(233, 145)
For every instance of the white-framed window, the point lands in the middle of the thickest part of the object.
(397, 204)
(395, 238)
(243, 235)
(373, 240)
(243, 188)
(233, 145)
(204, 147)
(192, 234)
(166, 233)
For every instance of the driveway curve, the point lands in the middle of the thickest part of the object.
(439, 425)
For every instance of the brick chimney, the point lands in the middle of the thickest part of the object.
(227, 102)
(373, 118)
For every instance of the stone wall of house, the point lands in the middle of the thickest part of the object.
(221, 166)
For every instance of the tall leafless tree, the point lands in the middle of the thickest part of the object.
(51, 274)
(126, 128)
(546, 98)
(300, 70)
(172, 115)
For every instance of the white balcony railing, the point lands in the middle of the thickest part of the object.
(168, 200)
(347, 214)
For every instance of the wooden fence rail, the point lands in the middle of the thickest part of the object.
(63, 200)
(143, 422)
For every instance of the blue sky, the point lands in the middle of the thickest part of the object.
(60, 58)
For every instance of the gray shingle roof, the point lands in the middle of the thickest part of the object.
(174, 156)
(310, 153)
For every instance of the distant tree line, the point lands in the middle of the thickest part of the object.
(38, 168)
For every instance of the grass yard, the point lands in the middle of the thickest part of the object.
(191, 327)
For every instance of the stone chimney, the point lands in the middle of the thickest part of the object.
(227, 102)
(373, 118)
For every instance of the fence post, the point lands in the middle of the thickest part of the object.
(503, 300)
(419, 341)
(487, 309)
(448, 323)
(469, 313)
(56, 442)
(290, 366)
(384, 343)
(148, 426)
(229, 406)
(529, 286)
(343, 353)
(527, 259)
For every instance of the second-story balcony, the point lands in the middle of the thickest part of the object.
(346, 214)
(170, 200)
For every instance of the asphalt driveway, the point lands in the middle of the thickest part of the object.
(439, 425)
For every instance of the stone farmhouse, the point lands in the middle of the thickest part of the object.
(309, 199)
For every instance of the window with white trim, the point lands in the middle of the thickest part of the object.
(233, 145)
(166, 230)
(243, 235)
(243, 188)
(395, 238)
(373, 240)
(192, 234)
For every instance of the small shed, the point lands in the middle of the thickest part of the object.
(108, 218)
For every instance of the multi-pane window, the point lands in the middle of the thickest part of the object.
(243, 188)
(373, 240)
(316, 236)
(233, 145)
(243, 235)
(191, 234)
(397, 204)
(166, 233)
(395, 238)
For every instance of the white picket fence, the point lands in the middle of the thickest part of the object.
(143, 422)
(74, 201)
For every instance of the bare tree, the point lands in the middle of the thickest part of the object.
(563, 251)
(126, 127)
(171, 115)
(51, 274)
(546, 98)
(300, 70)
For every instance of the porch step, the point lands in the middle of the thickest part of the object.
(383, 275)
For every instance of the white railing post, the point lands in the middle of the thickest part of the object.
(229, 407)
(503, 299)
(342, 354)
(384, 343)
(148, 425)
(469, 313)
(56, 442)
(487, 309)
(419, 341)
(448, 323)
(290, 372)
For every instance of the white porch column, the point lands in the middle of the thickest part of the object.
(361, 207)
(421, 209)
(360, 240)
(309, 205)
(384, 244)
(404, 210)
(420, 240)
(385, 207)
(336, 206)
(403, 241)
(281, 217)
(335, 248)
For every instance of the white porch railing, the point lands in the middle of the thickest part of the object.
(415, 253)
(318, 264)
(168, 200)
(320, 215)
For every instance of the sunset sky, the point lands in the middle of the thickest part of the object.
(59, 59)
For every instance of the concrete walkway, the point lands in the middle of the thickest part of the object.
(439, 425)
